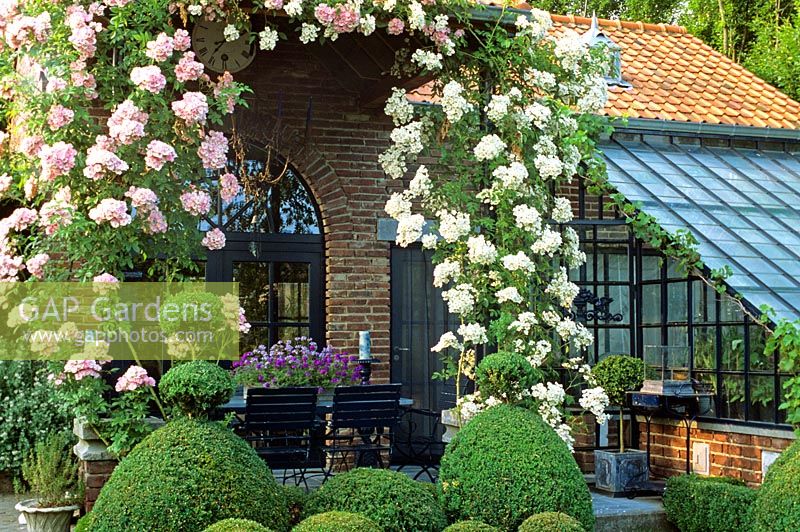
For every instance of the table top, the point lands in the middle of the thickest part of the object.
(238, 404)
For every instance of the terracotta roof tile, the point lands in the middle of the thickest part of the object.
(675, 76)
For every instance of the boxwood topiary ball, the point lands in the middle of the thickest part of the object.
(504, 375)
(618, 374)
(391, 499)
(195, 388)
(551, 522)
(777, 505)
(236, 525)
(507, 464)
(471, 526)
(188, 475)
(337, 522)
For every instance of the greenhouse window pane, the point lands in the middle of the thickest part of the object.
(733, 347)
(705, 348)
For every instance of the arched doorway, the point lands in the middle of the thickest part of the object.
(274, 249)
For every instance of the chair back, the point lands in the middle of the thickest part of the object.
(365, 407)
(271, 410)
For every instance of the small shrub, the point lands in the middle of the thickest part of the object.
(188, 475)
(52, 472)
(777, 505)
(195, 388)
(296, 499)
(708, 504)
(551, 522)
(504, 375)
(394, 501)
(618, 374)
(470, 526)
(236, 525)
(337, 522)
(507, 464)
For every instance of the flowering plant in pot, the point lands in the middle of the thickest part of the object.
(618, 471)
(51, 473)
(296, 363)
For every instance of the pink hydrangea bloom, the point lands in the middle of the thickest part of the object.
(5, 183)
(228, 186)
(346, 18)
(59, 116)
(225, 81)
(149, 78)
(324, 14)
(192, 108)
(155, 222)
(57, 160)
(55, 84)
(214, 240)
(135, 377)
(161, 48)
(126, 123)
(188, 69)
(21, 218)
(213, 151)
(35, 264)
(81, 369)
(110, 210)
(142, 198)
(196, 202)
(57, 212)
(395, 26)
(244, 325)
(158, 154)
(84, 30)
(100, 160)
(10, 266)
(181, 41)
(30, 145)
(105, 278)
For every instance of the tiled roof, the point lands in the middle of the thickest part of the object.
(675, 76)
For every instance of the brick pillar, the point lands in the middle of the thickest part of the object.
(96, 463)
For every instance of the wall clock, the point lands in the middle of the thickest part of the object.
(216, 53)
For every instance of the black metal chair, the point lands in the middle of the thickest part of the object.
(279, 423)
(422, 444)
(361, 423)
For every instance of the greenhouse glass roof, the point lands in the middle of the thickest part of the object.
(742, 205)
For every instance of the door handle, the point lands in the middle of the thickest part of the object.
(396, 349)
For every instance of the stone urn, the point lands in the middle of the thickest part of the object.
(39, 519)
(620, 472)
(451, 421)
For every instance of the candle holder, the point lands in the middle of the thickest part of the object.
(366, 368)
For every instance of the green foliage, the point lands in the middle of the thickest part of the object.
(30, 409)
(394, 501)
(618, 374)
(236, 525)
(708, 504)
(471, 526)
(504, 375)
(551, 522)
(337, 522)
(507, 464)
(775, 55)
(195, 388)
(785, 339)
(51, 471)
(777, 505)
(186, 476)
(296, 499)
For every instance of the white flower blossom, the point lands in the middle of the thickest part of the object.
(308, 33)
(429, 241)
(497, 108)
(427, 59)
(460, 299)
(453, 225)
(399, 108)
(548, 166)
(595, 401)
(543, 80)
(447, 341)
(561, 288)
(489, 147)
(294, 8)
(511, 177)
(473, 333)
(528, 218)
(409, 229)
(397, 206)
(570, 50)
(480, 250)
(195, 10)
(535, 24)
(445, 271)
(508, 294)
(453, 103)
(267, 39)
(367, 24)
(537, 114)
(416, 17)
(548, 243)
(571, 248)
(524, 323)
(594, 96)
(562, 210)
(541, 351)
(421, 185)
(408, 138)
(230, 33)
(518, 262)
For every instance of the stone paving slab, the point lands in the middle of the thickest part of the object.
(8, 515)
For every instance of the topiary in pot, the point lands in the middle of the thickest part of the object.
(188, 475)
(236, 525)
(505, 375)
(618, 374)
(551, 522)
(391, 499)
(471, 526)
(196, 388)
(777, 505)
(337, 522)
(507, 464)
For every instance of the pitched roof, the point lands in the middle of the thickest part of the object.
(675, 76)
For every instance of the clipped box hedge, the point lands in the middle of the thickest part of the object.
(709, 504)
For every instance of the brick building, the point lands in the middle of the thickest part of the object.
(708, 147)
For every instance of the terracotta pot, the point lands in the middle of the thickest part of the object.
(38, 519)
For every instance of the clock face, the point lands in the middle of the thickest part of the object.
(218, 54)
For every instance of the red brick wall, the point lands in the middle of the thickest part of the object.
(340, 164)
(94, 476)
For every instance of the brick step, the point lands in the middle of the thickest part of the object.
(630, 515)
